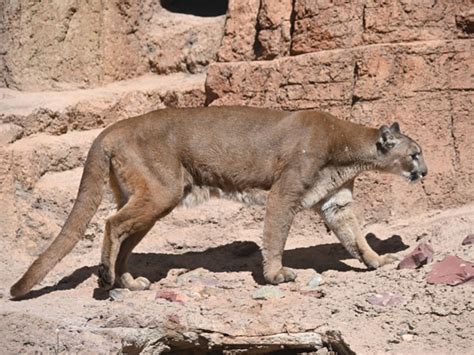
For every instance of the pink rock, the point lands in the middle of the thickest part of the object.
(386, 299)
(421, 255)
(451, 271)
(170, 295)
(468, 240)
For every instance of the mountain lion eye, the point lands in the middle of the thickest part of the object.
(414, 156)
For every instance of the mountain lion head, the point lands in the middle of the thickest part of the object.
(401, 154)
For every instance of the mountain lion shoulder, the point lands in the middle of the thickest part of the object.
(154, 162)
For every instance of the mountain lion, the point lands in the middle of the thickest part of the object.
(305, 159)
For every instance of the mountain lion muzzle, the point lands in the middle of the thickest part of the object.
(154, 162)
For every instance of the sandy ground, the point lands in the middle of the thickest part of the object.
(208, 262)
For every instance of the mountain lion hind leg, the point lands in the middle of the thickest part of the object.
(124, 278)
(339, 216)
(153, 193)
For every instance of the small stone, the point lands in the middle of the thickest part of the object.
(421, 255)
(119, 294)
(407, 337)
(9, 133)
(267, 292)
(451, 271)
(170, 295)
(469, 240)
(386, 299)
(315, 281)
(200, 276)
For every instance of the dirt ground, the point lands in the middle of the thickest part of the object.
(205, 268)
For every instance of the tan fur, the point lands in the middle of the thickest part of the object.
(154, 162)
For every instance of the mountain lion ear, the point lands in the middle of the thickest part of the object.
(395, 127)
(386, 139)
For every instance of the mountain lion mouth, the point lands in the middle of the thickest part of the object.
(414, 176)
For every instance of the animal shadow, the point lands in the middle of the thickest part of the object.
(246, 256)
(233, 257)
(66, 283)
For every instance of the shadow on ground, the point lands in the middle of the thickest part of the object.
(233, 257)
(66, 283)
(246, 256)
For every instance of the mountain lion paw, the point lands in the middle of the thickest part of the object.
(283, 275)
(376, 262)
(143, 283)
(138, 284)
(106, 278)
(388, 259)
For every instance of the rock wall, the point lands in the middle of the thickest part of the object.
(368, 61)
(68, 44)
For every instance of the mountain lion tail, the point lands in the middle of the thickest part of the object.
(91, 189)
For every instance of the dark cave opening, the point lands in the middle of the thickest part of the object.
(203, 8)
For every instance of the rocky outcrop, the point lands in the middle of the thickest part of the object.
(65, 45)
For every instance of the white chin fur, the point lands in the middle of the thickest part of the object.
(406, 175)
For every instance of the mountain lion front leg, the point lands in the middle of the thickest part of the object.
(339, 216)
(280, 212)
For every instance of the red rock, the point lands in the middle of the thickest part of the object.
(452, 270)
(170, 295)
(422, 255)
(468, 240)
(386, 299)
